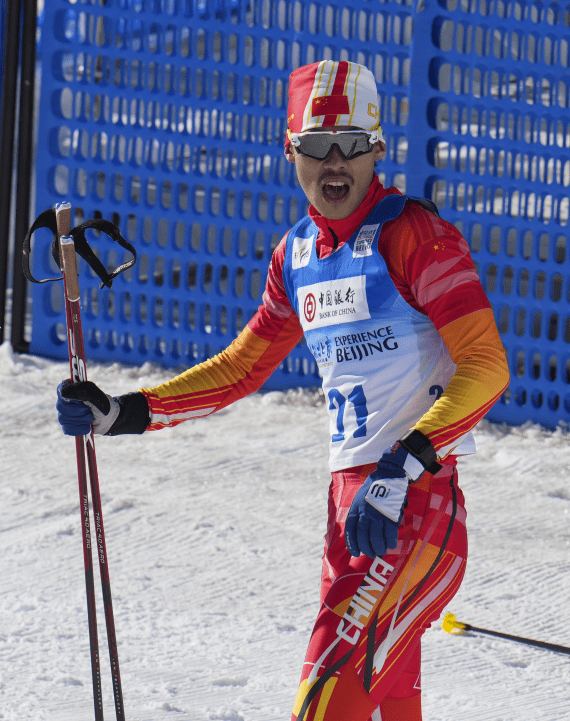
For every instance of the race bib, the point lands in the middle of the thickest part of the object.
(332, 302)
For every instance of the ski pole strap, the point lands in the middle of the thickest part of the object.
(44, 220)
(47, 219)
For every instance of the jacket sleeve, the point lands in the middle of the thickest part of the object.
(237, 371)
(430, 263)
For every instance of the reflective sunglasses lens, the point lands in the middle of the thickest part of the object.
(354, 145)
(316, 145)
(319, 145)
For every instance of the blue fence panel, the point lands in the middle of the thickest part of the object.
(491, 109)
(168, 117)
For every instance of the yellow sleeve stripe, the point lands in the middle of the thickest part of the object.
(232, 374)
(481, 376)
(202, 389)
(215, 374)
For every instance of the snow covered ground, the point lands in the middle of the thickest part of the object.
(214, 535)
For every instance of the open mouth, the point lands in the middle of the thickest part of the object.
(335, 190)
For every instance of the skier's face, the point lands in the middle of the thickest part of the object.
(335, 186)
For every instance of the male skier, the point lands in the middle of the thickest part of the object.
(387, 297)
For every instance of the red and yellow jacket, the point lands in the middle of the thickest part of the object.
(430, 265)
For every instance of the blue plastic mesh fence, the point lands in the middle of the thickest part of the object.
(168, 117)
(497, 163)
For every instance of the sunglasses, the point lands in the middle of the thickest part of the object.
(350, 143)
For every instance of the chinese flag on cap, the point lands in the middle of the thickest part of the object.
(329, 93)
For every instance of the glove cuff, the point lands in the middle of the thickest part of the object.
(421, 450)
(133, 417)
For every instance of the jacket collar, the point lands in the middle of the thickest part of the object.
(345, 227)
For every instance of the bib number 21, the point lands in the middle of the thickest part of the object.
(358, 400)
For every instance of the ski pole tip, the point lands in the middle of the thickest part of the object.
(451, 625)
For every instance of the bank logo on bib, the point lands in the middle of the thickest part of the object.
(310, 307)
(333, 302)
(364, 240)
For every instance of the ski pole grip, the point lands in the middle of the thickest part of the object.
(67, 251)
(63, 218)
(67, 247)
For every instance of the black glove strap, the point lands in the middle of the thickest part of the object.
(422, 449)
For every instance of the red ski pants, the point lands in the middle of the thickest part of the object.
(364, 656)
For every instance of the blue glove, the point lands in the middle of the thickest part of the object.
(81, 405)
(377, 509)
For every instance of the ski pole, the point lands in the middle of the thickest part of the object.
(451, 625)
(71, 293)
(85, 446)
